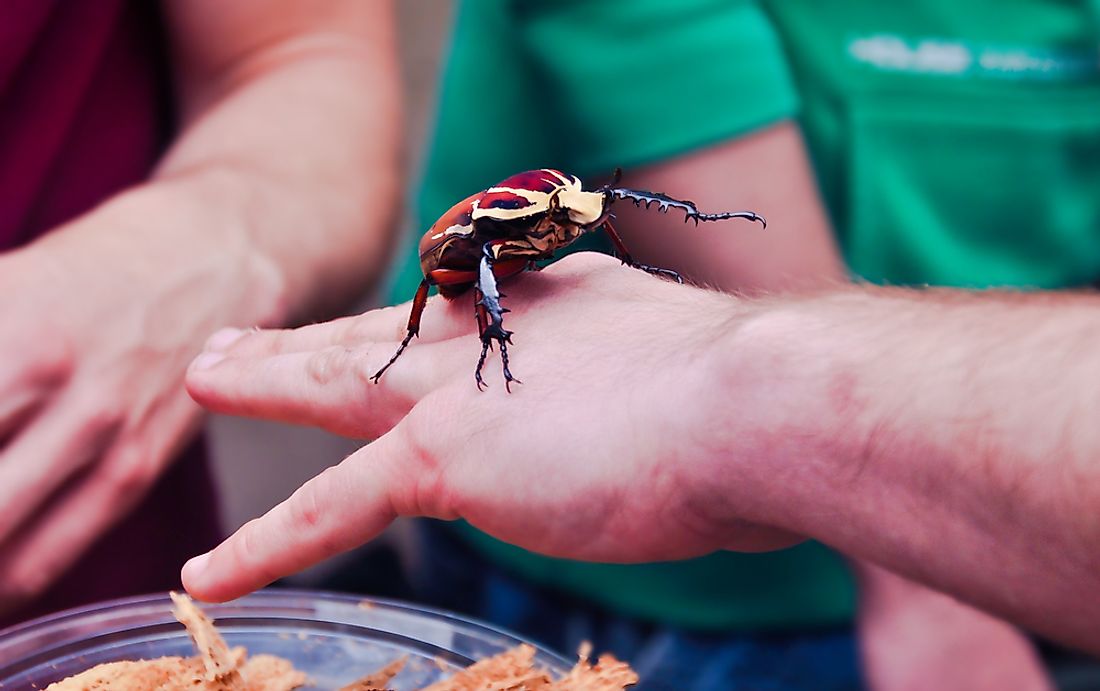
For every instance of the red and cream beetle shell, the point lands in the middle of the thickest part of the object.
(529, 193)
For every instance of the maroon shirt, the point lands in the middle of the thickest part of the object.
(84, 113)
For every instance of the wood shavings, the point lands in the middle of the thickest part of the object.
(512, 670)
(218, 667)
(377, 681)
(220, 664)
(608, 674)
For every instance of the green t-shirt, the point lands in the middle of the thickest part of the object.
(956, 143)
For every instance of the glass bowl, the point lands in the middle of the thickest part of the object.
(335, 639)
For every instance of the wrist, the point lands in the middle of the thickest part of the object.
(791, 422)
(183, 242)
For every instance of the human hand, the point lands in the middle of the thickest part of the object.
(602, 454)
(914, 638)
(92, 407)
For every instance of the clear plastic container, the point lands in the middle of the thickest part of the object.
(335, 639)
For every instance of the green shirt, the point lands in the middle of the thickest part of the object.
(956, 143)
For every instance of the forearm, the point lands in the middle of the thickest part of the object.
(912, 637)
(948, 437)
(281, 186)
(766, 171)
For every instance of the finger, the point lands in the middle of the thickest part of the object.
(54, 540)
(65, 438)
(331, 388)
(19, 408)
(50, 543)
(24, 390)
(441, 320)
(343, 507)
(37, 363)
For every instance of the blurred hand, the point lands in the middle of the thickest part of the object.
(274, 200)
(597, 456)
(96, 341)
(913, 638)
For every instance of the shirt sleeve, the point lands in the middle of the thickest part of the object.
(630, 82)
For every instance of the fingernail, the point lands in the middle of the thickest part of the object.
(206, 361)
(222, 339)
(193, 570)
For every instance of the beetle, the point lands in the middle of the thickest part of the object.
(505, 229)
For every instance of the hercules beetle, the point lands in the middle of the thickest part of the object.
(505, 229)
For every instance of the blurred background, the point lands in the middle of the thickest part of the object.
(261, 463)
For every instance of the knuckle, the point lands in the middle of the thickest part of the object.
(279, 340)
(246, 551)
(129, 474)
(53, 364)
(305, 510)
(101, 410)
(417, 433)
(359, 330)
(327, 365)
(425, 489)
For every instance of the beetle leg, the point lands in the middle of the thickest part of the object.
(419, 302)
(664, 202)
(624, 255)
(480, 314)
(489, 302)
(482, 318)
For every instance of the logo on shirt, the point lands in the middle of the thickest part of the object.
(947, 57)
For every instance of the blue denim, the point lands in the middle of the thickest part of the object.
(446, 573)
(667, 657)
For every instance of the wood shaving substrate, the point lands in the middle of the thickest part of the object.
(218, 667)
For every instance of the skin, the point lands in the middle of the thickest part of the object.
(942, 435)
(879, 421)
(770, 170)
(969, 649)
(765, 171)
(273, 202)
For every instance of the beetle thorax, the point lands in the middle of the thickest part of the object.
(549, 234)
(584, 208)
